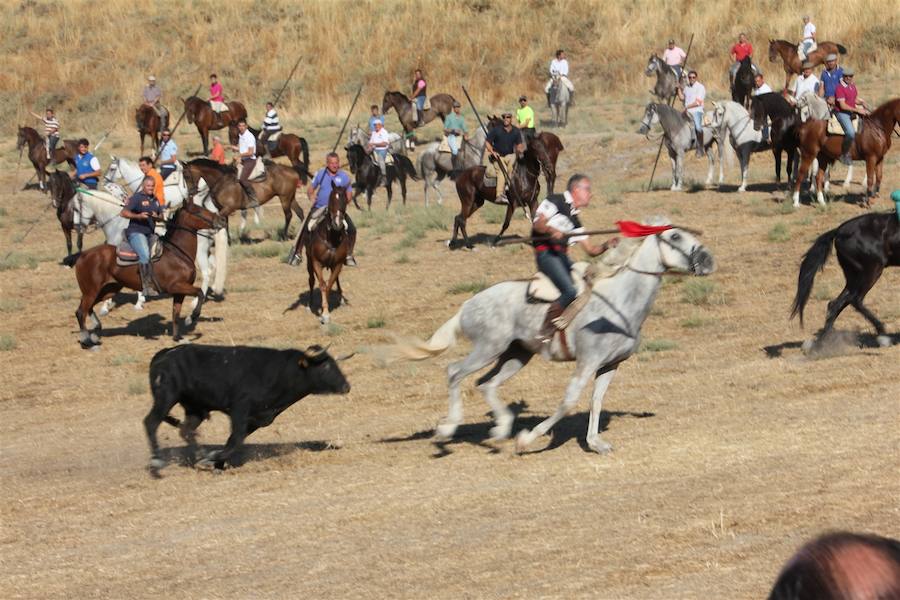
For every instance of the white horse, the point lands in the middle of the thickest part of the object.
(503, 327)
(678, 132)
(433, 165)
(176, 191)
(731, 116)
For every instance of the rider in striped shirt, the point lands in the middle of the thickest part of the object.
(271, 124)
(51, 130)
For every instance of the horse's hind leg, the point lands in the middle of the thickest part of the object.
(480, 357)
(403, 188)
(510, 208)
(510, 362)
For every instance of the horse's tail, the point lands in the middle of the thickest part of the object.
(814, 260)
(303, 171)
(304, 150)
(841, 49)
(407, 167)
(411, 348)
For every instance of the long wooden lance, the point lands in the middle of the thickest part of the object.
(671, 101)
(344, 126)
(177, 123)
(481, 124)
(565, 236)
(287, 81)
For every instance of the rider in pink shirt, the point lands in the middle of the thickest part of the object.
(674, 57)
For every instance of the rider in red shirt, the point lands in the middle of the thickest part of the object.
(739, 51)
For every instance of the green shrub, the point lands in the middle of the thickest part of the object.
(137, 387)
(7, 343)
(657, 345)
(467, 287)
(701, 292)
(375, 322)
(17, 260)
(779, 233)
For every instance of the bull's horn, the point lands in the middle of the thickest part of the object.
(316, 350)
(346, 357)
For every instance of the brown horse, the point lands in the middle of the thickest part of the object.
(229, 196)
(148, 123)
(548, 155)
(201, 114)
(288, 144)
(791, 59)
(100, 277)
(63, 194)
(524, 190)
(37, 152)
(871, 145)
(327, 247)
(441, 106)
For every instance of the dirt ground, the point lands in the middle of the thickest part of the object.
(731, 446)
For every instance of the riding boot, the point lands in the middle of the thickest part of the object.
(700, 152)
(295, 259)
(549, 104)
(147, 282)
(846, 143)
(545, 335)
(455, 166)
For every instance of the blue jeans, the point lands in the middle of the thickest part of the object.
(141, 246)
(558, 268)
(698, 120)
(454, 141)
(380, 157)
(420, 102)
(166, 170)
(847, 123)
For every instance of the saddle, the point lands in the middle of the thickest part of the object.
(541, 289)
(444, 146)
(834, 126)
(259, 171)
(272, 141)
(219, 107)
(388, 159)
(126, 256)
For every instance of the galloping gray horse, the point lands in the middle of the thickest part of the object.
(678, 132)
(503, 327)
(434, 165)
(666, 78)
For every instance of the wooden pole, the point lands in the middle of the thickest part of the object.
(284, 87)
(177, 123)
(344, 126)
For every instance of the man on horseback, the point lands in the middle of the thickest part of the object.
(153, 98)
(674, 57)
(271, 124)
(760, 87)
(246, 148)
(560, 66)
(379, 142)
(87, 167)
(693, 95)
(168, 154)
(501, 145)
(455, 130)
(51, 130)
(809, 38)
(419, 93)
(375, 116)
(217, 99)
(849, 105)
(556, 218)
(145, 164)
(525, 118)
(805, 83)
(831, 78)
(739, 51)
(140, 210)
(319, 191)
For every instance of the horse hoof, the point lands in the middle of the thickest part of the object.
(808, 345)
(523, 440)
(884, 341)
(444, 432)
(95, 339)
(599, 446)
(324, 319)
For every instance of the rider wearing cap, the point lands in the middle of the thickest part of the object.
(831, 78)
(455, 130)
(849, 104)
(525, 118)
(501, 144)
(806, 82)
(152, 96)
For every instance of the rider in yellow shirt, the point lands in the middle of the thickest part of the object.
(525, 118)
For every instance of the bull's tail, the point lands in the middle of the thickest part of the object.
(841, 49)
(813, 261)
(411, 348)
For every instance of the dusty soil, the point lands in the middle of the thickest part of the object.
(731, 446)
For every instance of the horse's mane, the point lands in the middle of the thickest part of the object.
(397, 93)
(210, 164)
(876, 114)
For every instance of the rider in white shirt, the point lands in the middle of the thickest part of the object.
(807, 82)
(379, 142)
(809, 38)
(560, 66)
(693, 96)
(761, 87)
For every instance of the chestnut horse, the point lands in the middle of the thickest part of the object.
(288, 144)
(871, 145)
(441, 106)
(548, 156)
(791, 59)
(326, 248)
(524, 190)
(228, 195)
(100, 277)
(148, 123)
(201, 114)
(37, 152)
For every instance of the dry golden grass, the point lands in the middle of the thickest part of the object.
(90, 59)
(725, 458)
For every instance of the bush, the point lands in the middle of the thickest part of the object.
(17, 260)
(467, 287)
(7, 343)
(375, 322)
(137, 387)
(701, 292)
(779, 233)
(657, 345)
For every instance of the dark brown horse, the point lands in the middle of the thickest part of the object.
(37, 152)
(441, 106)
(201, 114)
(63, 194)
(327, 247)
(290, 145)
(871, 145)
(524, 191)
(790, 59)
(841, 566)
(148, 123)
(865, 246)
(548, 156)
(229, 196)
(100, 277)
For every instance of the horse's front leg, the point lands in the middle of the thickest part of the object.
(510, 208)
(68, 234)
(324, 316)
(177, 301)
(871, 180)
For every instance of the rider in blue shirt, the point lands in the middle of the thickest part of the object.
(140, 210)
(831, 78)
(87, 167)
(319, 191)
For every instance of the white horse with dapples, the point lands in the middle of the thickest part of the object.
(503, 327)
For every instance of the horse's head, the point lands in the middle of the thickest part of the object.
(387, 102)
(355, 157)
(194, 217)
(20, 139)
(356, 137)
(189, 104)
(337, 207)
(112, 171)
(61, 188)
(758, 112)
(651, 116)
(680, 251)
(773, 50)
(652, 65)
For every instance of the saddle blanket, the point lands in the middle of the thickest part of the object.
(388, 158)
(273, 137)
(834, 126)
(541, 289)
(126, 256)
(444, 146)
(259, 171)
(218, 106)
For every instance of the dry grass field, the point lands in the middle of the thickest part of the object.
(731, 447)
